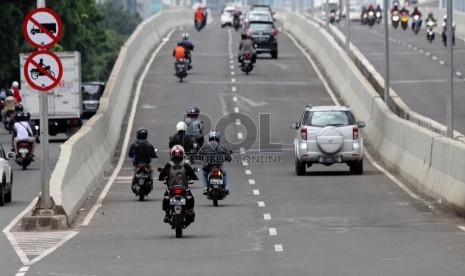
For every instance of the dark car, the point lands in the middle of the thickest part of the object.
(91, 93)
(264, 35)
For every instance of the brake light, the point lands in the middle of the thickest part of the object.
(355, 133)
(177, 191)
(246, 55)
(275, 33)
(303, 133)
(74, 122)
(142, 168)
(24, 145)
(216, 173)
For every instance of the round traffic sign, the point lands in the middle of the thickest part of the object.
(42, 28)
(43, 70)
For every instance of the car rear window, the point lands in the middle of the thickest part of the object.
(91, 89)
(260, 27)
(259, 17)
(330, 118)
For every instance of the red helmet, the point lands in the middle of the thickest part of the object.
(177, 151)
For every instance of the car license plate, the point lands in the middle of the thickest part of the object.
(214, 181)
(327, 159)
(246, 61)
(174, 201)
(23, 150)
(181, 66)
(141, 181)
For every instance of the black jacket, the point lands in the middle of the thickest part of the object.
(183, 140)
(213, 155)
(141, 151)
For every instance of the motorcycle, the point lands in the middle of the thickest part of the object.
(444, 36)
(371, 18)
(180, 217)
(215, 185)
(416, 24)
(404, 21)
(379, 17)
(24, 157)
(430, 31)
(395, 19)
(192, 155)
(364, 18)
(8, 120)
(236, 23)
(142, 183)
(35, 73)
(181, 68)
(199, 25)
(246, 64)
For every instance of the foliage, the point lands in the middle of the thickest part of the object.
(96, 31)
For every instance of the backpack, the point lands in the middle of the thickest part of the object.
(194, 128)
(141, 153)
(177, 174)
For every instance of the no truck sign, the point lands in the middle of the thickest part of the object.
(42, 28)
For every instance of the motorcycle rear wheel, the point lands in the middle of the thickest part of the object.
(178, 225)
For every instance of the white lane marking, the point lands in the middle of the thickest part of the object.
(461, 228)
(235, 99)
(240, 136)
(233, 89)
(278, 248)
(20, 274)
(244, 163)
(233, 73)
(261, 204)
(458, 74)
(318, 72)
(415, 48)
(441, 62)
(428, 54)
(434, 58)
(251, 182)
(248, 172)
(410, 45)
(232, 66)
(266, 216)
(233, 80)
(126, 138)
(242, 150)
(236, 109)
(256, 192)
(24, 269)
(238, 122)
(273, 231)
(421, 50)
(231, 61)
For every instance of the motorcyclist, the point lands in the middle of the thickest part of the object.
(404, 11)
(181, 138)
(444, 31)
(9, 105)
(187, 44)
(194, 125)
(214, 155)
(16, 92)
(205, 14)
(431, 18)
(199, 15)
(142, 151)
(395, 7)
(237, 17)
(177, 159)
(23, 132)
(246, 46)
(179, 53)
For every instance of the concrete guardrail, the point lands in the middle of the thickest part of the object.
(430, 161)
(86, 156)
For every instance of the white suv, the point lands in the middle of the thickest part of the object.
(328, 135)
(227, 16)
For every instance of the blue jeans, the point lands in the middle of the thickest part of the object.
(225, 178)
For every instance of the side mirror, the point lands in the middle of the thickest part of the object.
(159, 169)
(230, 152)
(294, 125)
(10, 156)
(361, 124)
(156, 150)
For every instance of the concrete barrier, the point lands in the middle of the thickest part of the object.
(430, 161)
(86, 156)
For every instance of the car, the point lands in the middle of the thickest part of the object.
(354, 12)
(227, 15)
(91, 93)
(256, 15)
(328, 135)
(331, 6)
(264, 7)
(264, 35)
(6, 184)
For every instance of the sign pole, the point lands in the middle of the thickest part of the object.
(44, 180)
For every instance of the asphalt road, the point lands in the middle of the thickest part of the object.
(328, 222)
(418, 69)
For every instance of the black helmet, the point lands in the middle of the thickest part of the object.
(214, 135)
(244, 35)
(19, 108)
(19, 117)
(179, 43)
(27, 116)
(142, 134)
(193, 112)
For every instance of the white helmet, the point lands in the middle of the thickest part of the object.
(185, 36)
(15, 84)
(181, 126)
(445, 17)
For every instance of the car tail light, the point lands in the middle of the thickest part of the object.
(275, 33)
(303, 133)
(355, 133)
(74, 122)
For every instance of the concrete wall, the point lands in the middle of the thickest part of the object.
(86, 156)
(430, 161)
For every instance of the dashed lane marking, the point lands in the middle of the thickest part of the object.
(233, 89)
(233, 80)
(235, 99)
(261, 204)
(256, 192)
(251, 182)
(233, 73)
(236, 109)
(273, 231)
(240, 136)
(238, 122)
(266, 216)
(278, 248)
(248, 172)
(242, 150)
(244, 163)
